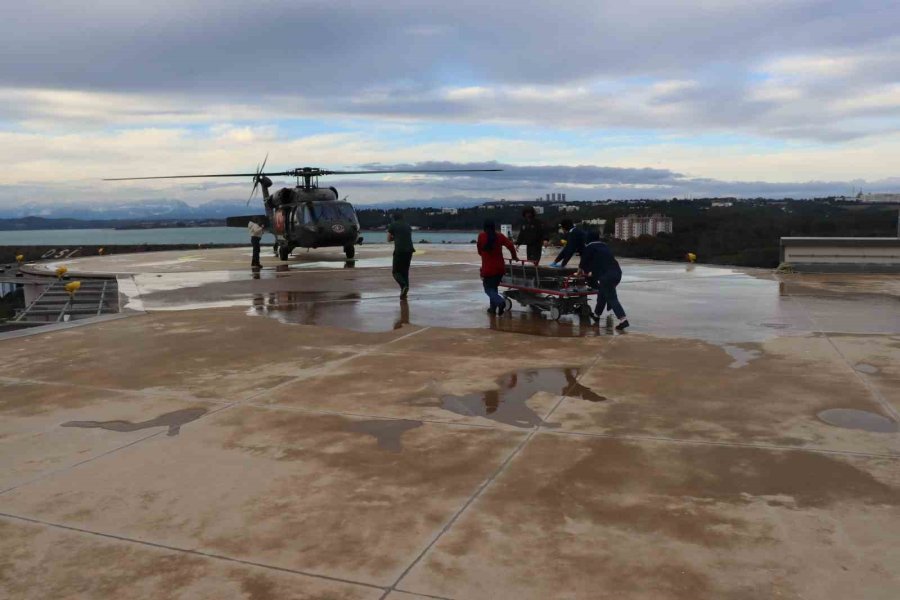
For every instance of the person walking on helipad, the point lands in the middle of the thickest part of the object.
(532, 235)
(400, 233)
(256, 231)
(490, 247)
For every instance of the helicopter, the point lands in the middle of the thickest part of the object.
(304, 216)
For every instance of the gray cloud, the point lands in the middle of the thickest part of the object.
(374, 59)
(585, 182)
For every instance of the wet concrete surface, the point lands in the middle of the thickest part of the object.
(720, 305)
(356, 446)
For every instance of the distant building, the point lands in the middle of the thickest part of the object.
(450, 211)
(600, 223)
(634, 226)
(721, 204)
(538, 210)
(567, 208)
(506, 230)
(878, 198)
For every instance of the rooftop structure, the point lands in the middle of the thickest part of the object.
(842, 254)
(301, 433)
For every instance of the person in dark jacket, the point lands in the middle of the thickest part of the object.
(400, 233)
(490, 247)
(575, 240)
(603, 273)
(532, 235)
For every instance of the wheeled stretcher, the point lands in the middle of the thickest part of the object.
(558, 291)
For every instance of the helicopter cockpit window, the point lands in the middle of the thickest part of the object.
(334, 211)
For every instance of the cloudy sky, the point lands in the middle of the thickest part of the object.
(598, 99)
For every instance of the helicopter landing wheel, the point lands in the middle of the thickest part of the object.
(284, 252)
(350, 251)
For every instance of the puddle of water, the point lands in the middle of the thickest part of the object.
(850, 418)
(173, 420)
(386, 432)
(741, 356)
(508, 403)
(866, 368)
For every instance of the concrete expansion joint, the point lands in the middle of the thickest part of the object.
(329, 366)
(149, 393)
(874, 393)
(479, 491)
(697, 442)
(68, 468)
(190, 551)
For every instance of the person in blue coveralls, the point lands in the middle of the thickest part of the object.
(575, 240)
(603, 272)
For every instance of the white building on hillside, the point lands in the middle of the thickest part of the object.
(879, 198)
(634, 226)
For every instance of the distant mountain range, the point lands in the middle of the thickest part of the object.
(141, 210)
(176, 209)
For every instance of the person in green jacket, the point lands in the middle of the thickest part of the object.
(400, 233)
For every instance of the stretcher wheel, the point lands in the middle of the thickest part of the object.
(508, 304)
(584, 310)
(555, 313)
(535, 309)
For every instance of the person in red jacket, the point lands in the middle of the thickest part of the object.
(490, 247)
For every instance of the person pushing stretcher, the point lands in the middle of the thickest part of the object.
(602, 270)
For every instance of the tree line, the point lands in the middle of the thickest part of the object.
(745, 234)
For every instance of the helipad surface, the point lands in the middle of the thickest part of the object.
(302, 433)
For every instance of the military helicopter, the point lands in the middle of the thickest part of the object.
(305, 216)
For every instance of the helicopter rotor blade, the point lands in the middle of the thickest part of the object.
(412, 171)
(306, 172)
(259, 170)
(185, 176)
(255, 184)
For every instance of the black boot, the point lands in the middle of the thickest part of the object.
(622, 326)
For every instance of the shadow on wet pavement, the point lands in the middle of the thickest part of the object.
(386, 432)
(173, 420)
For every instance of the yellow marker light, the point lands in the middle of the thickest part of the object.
(60, 271)
(100, 251)
(691, 257)
(563, 242)
(20, 258)
(72, 287)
